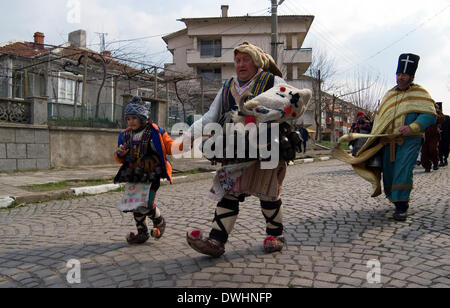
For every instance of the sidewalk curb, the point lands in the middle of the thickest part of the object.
(95, 190)
(44, 196)
(6, 201)
(312, 160)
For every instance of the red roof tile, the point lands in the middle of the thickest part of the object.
(32, 50)
(24, 49)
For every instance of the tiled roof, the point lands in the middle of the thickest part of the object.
(24, 49)
(32, 50)
(74, 53)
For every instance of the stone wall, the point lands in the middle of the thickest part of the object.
(74, 147)
(24, 147)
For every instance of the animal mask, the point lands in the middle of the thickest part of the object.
(280, 104)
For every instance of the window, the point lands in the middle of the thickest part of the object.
(21, 84)
(3, 84)
(211, 48)
(211, 74)
(18, 84)
(66, 91)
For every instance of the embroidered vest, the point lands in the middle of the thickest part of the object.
(263, 82)
(142, 164)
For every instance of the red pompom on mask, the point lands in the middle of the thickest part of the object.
(288, 111)
(250, 119)
(283, 89)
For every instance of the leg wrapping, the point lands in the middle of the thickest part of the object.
(226, 214)
(273, 212)
(141, 224)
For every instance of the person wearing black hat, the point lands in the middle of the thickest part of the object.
(406, 111)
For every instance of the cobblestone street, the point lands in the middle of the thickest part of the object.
(333, 230)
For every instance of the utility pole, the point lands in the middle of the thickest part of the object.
(319, 108)
(202, 95)
(167, 105)
(274, 42)
(84, 93)
(155, 90)
(275, 30)
(333, 122)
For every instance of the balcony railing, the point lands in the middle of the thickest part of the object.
(194, 57)
(15, 111)
(300, 55)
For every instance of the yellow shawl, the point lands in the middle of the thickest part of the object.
(390, 117)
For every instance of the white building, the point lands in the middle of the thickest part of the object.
(205, 47)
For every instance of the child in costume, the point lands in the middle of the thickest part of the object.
(142, 151)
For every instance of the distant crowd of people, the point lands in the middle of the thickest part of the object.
(435, 145)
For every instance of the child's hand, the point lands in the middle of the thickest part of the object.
(123, 150)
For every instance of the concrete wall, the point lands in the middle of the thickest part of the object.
(24, 147)
(31, 147)
(73, 147)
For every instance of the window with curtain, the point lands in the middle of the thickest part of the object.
(66, 91)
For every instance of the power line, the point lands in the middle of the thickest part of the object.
(53, 59)
(322, 33)
(267, 10)
(404, 36)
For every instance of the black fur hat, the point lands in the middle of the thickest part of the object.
(408, 63)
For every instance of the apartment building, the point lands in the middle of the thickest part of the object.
(205, 47)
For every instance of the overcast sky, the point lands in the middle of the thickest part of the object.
(360, 35)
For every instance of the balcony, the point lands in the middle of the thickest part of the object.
(194, 57)
(296, 56)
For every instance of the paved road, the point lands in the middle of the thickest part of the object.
(332, 228)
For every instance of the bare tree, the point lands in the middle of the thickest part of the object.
(323, 69)
(366, 91)
(188, 93)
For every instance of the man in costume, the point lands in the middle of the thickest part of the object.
(444, 143)
(406, 111)
(430, 148)
(256, 72)
(362, 125)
